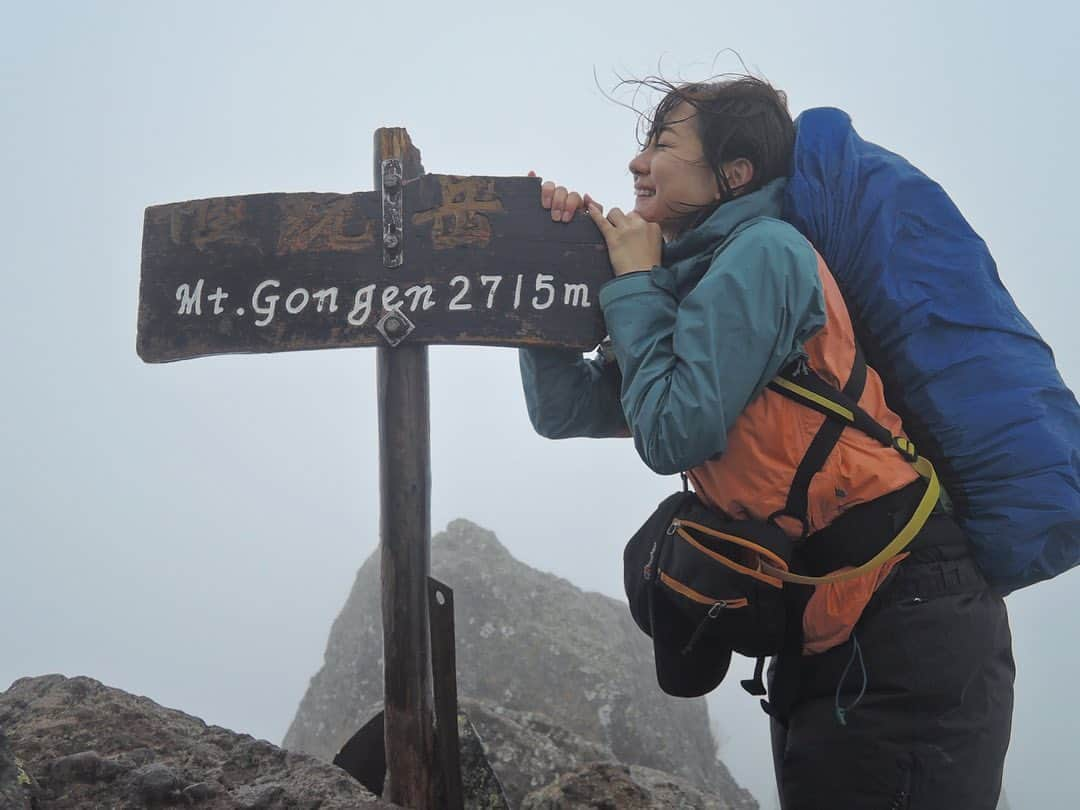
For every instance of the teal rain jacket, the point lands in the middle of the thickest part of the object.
(696, 338)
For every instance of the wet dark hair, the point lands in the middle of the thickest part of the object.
(737, 116)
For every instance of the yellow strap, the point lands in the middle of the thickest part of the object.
(806, 393)
(898, 544)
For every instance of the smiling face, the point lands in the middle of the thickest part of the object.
(671, 176)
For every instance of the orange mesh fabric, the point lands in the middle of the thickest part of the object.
(834, 609)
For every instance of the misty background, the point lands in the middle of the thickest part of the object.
(189, 531)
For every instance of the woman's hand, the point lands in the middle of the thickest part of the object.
(633, 244)
(562, 203)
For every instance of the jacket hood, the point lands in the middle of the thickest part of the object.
(767, 201)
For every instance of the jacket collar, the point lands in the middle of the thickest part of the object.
(765, 202)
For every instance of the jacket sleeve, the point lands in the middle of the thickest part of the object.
(690, 367)
(568, 395)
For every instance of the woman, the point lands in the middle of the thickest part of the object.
(902, 696)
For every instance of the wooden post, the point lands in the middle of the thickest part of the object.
(405, 536)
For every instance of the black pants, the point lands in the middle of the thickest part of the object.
(932, 727)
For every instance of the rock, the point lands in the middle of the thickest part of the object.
(530, 643)
(259, 797)
(672, 793)
(615, 786)
(528, 750)
(141, 756)
(199, 792)
(480, 784)
(95, 747)
(15, 783)
(85, 766)
(602, 786)
(156, 782)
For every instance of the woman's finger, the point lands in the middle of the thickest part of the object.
(573, 203)
(547, 191)
(588, 201)
(616, 217)
(562, 203)
(596, 214)
(558, 203)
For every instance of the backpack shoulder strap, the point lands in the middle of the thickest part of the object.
(798, 500)
(802, 384)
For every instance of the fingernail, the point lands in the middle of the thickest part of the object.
(567, 215)
(556, 215)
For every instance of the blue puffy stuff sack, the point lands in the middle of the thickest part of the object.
(976, 386)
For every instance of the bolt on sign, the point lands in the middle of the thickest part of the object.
(440, 259)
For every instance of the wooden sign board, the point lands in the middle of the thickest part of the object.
(482, 264)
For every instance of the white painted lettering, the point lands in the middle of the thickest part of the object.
(190, 302)
(388, 297)
(320, 297)
(426, 292)
(362, 305)
(576, 295)
(543, 284)
(494, 282)
(265, 306)
(455, 302)
(217, 297)
(295, 304)
(517, 292)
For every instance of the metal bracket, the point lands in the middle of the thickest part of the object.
(394, 325)
(392, 213)
(444, 687)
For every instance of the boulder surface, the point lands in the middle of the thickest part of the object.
(627, 787)
(80, 744)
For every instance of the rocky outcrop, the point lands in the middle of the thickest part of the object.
(81, 745)
(628, 787)
(480, 785)
(528, 750)
(16, 787)
(529, 645)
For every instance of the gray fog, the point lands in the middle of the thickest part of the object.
(189, 531)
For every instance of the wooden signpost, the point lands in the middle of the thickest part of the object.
(424, 259)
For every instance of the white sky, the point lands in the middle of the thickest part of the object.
(190, 531)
